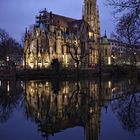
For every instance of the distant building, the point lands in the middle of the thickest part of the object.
(54, 37)
(114, 52)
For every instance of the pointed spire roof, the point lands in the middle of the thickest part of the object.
(105, 34)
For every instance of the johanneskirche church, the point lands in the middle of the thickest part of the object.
(56, 37)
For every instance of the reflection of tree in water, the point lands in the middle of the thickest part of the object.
(9, 99)
(56, 112)
(78, 108)
(128, 111)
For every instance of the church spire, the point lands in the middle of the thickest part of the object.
(91, 15)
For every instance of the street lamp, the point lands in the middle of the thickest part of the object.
(113, 59)
(7, 58)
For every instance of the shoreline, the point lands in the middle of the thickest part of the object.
(115, 71)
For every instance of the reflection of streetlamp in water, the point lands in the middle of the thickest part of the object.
(7, 60)
(135, 57)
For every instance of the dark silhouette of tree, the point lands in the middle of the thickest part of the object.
(75, 42)
(126, 6)
(9, 100)
(128, 23)
(9, 47)
(128, 110)
(3, 35)
(128, 30)
(76, 53)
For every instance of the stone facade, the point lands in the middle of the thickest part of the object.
(72, 42)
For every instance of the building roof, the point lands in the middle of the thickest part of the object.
(105, 40)
(61, 20)
(55, 19)
(71, 24)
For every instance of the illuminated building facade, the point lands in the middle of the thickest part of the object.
(54, 37)
(114, 52)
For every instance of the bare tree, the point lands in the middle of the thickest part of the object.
(75, 50)
(128, 23)
(9, 100)
(127, 110)
(3, 35)
(125, 6)
(128, 30)
(9, 47)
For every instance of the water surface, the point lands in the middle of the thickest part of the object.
(70, 110)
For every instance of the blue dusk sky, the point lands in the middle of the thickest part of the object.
(16, 15)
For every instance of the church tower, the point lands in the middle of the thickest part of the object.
(91, 16)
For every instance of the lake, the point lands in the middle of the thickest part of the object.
(95, 109)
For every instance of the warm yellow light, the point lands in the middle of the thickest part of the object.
(90, 34)
(31, 65)
(39, 55)
(113, 56)
(109, 60)
(66, 59)
(37, 33)
(113, 89)
(40, 64)
(47, 84)
(75, 65)
(46, 64)
(109, 84)
(23, 63)
(91, 110)
(8, 86)
(32, 84)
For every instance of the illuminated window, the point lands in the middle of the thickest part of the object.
(109, 60)
(8, 86)
(109, 84)
(90, 34)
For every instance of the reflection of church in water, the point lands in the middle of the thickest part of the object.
(56, 106)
